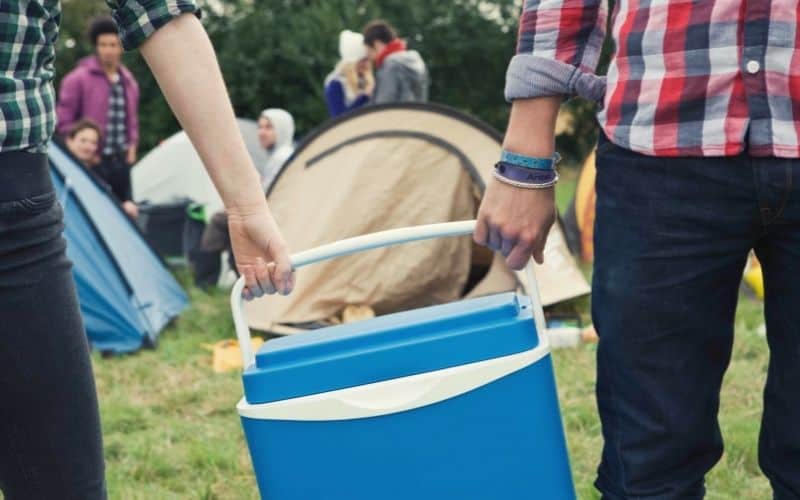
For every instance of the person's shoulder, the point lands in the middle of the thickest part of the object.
(408, 60)
(333, 83)
(77, 73)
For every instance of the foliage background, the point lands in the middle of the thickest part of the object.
(276, 53)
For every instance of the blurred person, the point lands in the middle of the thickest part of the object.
(103, 90)
(698, 162)
(276, 136)
(401, 74)
(49, 419)
(82, 141)
(350, 85)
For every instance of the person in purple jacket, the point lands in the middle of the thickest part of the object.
(351, 83)
(103, 90)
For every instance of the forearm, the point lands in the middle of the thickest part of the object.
(531, 127)
(558, 48)
(183, 61)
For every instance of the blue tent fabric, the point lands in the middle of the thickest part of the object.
(126, 293)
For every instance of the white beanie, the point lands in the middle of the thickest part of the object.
(351, 46)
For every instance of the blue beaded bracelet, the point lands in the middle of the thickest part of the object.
(530, 161)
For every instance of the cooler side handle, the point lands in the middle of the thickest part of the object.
(367, 242)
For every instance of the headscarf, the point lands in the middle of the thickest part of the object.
(283, 123)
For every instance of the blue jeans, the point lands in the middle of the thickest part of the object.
(50, 444)
(672, 237)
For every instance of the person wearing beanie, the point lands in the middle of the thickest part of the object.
(401, 74)
(349, 86)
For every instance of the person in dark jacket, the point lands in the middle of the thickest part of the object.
(401, 74)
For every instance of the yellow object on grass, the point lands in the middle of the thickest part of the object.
(754, 278)
(227, 356)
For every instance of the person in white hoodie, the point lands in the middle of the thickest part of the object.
(276, 135)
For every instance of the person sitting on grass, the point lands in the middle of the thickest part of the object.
(82, 141)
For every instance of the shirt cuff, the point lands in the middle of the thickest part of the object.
(533, 76)
(138, 19)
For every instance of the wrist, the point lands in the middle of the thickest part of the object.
(539, 147)
(532, 125)
(525, 178)
(246, 204)
(530, 162)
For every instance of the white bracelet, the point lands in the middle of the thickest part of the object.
(525, 185)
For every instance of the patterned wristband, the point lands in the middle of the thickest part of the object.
(526, 175)
(530, 161)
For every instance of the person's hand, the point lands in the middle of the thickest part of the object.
(515, 222)
(369, 81)
(260, 252)
(131, 159)
(131, 209)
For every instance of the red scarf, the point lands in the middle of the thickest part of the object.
(396, 45)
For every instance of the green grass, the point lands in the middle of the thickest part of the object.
(171, 430)
(565, 189)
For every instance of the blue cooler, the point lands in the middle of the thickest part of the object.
(456, 401)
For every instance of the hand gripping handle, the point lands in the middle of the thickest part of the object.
(368, 242)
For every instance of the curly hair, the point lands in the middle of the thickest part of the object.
(102, 25)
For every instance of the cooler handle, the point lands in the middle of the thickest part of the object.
(368, 242)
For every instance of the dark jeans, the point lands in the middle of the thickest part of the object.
(671, 239)
(116, 172)
(50, 444)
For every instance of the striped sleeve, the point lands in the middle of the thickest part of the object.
(558, 47)
(138, 19)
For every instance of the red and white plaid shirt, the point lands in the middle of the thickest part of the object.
(687, 77)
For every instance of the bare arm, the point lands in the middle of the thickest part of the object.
(516, 221)
(558, 45)
(183, 61)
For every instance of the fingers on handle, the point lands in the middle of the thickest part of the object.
(495, 238)
(263, 276)
(518, 257)
(481, 234)
(282, 273)
(252, 289)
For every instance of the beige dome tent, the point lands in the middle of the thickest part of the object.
(386, 167)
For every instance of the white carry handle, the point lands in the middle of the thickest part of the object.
(367, 242)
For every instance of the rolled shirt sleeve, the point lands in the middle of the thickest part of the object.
(558, 47)
(138, 19)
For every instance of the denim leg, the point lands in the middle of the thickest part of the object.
(779, 253)
(671, 241)
(50, 444)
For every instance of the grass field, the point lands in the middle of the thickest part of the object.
(171, 430)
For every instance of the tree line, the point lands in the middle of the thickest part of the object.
(276, 53)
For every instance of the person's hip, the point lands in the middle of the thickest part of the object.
(30, 220)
